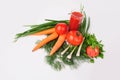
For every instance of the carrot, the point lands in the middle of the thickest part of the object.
(48, 31)
(58, 44)
(45, 41)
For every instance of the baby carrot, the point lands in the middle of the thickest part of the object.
(45, 41)
(47, 31)
(58, 44)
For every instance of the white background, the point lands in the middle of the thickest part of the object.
(17, 62)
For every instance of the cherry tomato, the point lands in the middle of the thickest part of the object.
(74, 38)
(75, 20)
(61, 28)
(92, 52)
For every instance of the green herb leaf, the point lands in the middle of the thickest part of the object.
(101, 55)
(92, 60)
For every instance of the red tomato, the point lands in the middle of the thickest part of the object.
(74, 38)
(61, 28)
(92, 52)
(75, 20)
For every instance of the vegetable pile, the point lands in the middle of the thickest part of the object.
(68, 42)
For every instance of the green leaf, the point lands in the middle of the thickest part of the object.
(92, 60)
(101, 55)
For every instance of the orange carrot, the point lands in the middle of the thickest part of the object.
(46, 40)
(58, 44)
(48, 31)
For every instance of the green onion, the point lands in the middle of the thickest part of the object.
(70, 55)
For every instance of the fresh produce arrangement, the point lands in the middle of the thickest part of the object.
(68, 42)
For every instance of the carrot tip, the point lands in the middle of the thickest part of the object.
(51, 53)
(33, 50)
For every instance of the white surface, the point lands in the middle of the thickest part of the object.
(17, 62)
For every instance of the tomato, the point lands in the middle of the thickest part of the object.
(74, 38)
(75, 20)
(92, 52)
(61, 28)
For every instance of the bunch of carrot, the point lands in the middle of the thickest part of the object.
(53, 35)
